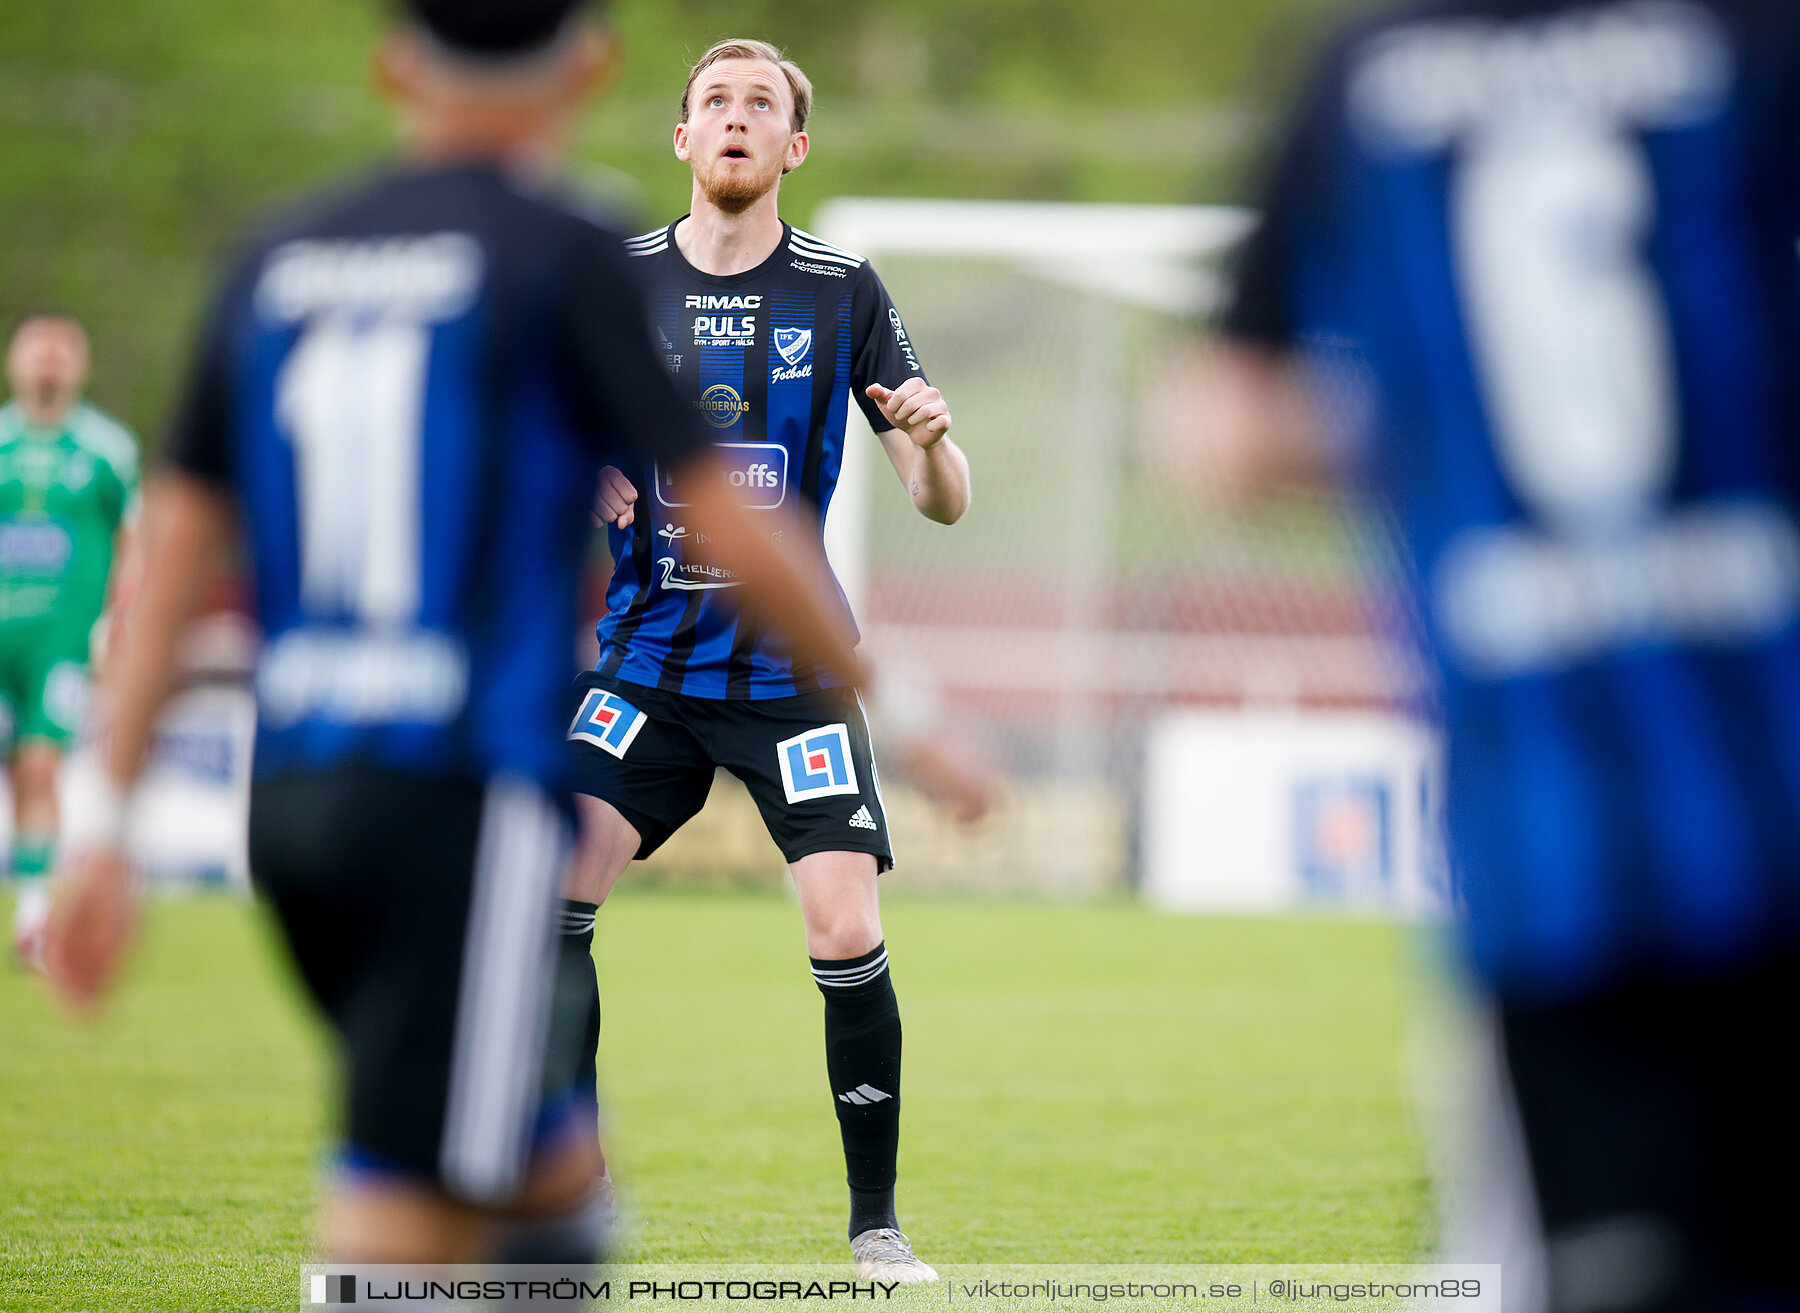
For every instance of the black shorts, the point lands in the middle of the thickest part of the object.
(806, 760)
(420, 913)
(1654, 1117)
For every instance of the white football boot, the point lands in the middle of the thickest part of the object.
(887, 1255)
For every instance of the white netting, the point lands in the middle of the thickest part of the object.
(1082, 595)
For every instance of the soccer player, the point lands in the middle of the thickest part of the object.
(769, 333)
(1549, 250)
(68, 489)
(406, 390)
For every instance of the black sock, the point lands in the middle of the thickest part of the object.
(575, 1012)
(862, 1055)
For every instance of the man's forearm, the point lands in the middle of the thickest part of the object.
(940, 481)
(783, 578)
(185, 526)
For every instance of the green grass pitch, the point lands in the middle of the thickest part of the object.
(1084, 1084)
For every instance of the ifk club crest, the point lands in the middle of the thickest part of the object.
(793, 343)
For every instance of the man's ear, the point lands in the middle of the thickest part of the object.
(681, 143)
(798, 145)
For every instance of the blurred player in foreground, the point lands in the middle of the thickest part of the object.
(68, 491)
(768, 332)
(406, 389)
(1548, 250)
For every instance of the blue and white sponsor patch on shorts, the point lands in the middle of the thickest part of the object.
(817, 764)
(607, 721)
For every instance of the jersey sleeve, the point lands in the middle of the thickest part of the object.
(882, 351)
(1294, 197)
(622, 390)
(199, 439)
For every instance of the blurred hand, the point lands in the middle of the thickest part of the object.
(1227, 422)
(615, 502)
(915, 408)
(952, 776)
(92, 924)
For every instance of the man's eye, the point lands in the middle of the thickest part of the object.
(717, 102)
(762, 104)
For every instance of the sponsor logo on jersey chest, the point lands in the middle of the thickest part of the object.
(38, 545)
(721, 406)
(759, 470)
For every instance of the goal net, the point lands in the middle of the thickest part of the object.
(1082, 600)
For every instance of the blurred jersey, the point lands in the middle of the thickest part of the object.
(1553, 248)
(64, 491)
(769, 359)
(411, 388)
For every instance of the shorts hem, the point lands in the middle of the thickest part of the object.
(884, 857)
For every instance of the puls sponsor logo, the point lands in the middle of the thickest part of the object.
(724, 330)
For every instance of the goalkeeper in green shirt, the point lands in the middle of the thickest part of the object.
(68, 487)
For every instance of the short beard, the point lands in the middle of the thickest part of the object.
(734, 193)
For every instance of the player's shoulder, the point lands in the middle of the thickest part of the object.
(655, 242)
(106, 437)
(808, 254)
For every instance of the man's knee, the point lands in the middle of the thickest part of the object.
(838, 899)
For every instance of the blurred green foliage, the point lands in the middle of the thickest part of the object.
(136, 139)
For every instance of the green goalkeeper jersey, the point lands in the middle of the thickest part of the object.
(63, 493)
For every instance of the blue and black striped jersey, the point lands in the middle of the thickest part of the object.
(769, 359)
(411, 388)
(1556, 242)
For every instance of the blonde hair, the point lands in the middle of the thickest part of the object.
(737, 48)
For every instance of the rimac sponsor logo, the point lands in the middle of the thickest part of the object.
(811, 267)
(900, 338)
(721, 406)
(712, 301)
(607, 721)
(817, 764)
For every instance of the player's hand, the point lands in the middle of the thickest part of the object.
(92, 923)
(952, 777)
(615, 502)
(915, 408)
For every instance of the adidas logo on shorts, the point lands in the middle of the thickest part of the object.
(863, 821)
